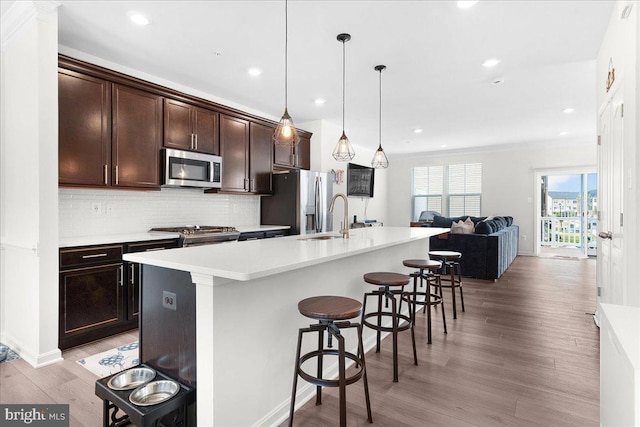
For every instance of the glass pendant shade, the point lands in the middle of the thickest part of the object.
(343, 151)
(286, 132)
(380, 160)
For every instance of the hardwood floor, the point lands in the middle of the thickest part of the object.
(64, 382)
(524, 353)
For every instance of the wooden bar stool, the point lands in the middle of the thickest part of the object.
(451, 266)
(333, 313)
(430, 299)
(386, 281)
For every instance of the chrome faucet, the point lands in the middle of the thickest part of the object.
(344, 231)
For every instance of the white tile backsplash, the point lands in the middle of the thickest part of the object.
(119, 212)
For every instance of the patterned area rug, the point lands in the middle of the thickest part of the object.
(112, 361)
(10, 354)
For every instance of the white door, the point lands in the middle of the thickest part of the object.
(610, 226)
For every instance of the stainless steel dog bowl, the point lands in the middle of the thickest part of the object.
(154, 392)
(131, 378)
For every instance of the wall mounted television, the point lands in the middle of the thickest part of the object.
(360, 180)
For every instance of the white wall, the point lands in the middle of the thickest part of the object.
(620, 44)
(508, 180)
(29, 234)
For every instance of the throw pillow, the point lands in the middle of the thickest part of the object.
(462, 227)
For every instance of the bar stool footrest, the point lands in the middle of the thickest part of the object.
(376, 314)
(327, 382)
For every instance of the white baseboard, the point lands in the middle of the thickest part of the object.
(37, 360)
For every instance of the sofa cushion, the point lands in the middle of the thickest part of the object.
(500, 221)
(483, 227)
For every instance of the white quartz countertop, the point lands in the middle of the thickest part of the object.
(107, 239)
(259, 258)
(251, 228)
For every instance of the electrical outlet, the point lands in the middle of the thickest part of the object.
(169, 300)
(96, 209)
(109, 209)
(523, 237)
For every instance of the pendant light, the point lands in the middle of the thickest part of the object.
(380, 160)
(286, 133)
(343, 151)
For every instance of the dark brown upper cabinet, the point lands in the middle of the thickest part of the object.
(84, 131)
(187, 127)
(260, 154)
(109, 134)
(298, 157)
(136, 137)
(234, 149)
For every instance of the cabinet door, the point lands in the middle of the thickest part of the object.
(260, 154)
(234, 147)
(283, 155)
(90, 302)
(84, 112)
(133, 291)
(177, 125)
(205, 127)
(303, 153)
(136, 138)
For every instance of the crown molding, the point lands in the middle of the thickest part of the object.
(20, 14)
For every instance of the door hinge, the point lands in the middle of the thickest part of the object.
(621, 219)
(621, 110)
(599, 291)
(598, 215)
(599, 140)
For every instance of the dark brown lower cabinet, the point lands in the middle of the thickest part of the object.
(90, 303)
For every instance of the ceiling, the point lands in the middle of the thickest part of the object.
(433, 51)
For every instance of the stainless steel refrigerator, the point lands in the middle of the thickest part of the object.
(301, 200)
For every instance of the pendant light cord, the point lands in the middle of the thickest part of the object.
(286, 50)
(380, 115)
(343, 74)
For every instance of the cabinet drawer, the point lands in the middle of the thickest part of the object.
(77, 257)
(152, 246)
(276, 233)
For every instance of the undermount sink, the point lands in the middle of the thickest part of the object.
(320, 238)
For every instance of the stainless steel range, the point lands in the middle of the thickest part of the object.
(202, 234)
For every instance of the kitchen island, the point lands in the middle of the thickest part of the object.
(246, 317)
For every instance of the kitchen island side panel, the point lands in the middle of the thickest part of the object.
(168, 323)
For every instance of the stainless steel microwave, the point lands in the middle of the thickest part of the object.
(189, 169)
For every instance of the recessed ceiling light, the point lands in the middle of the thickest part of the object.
(568, 110)
(254, 71)
(563, 133)
(443, 145)
(418, 130)
(138, 18)
(320, 101)
(466, 4)
(491, 62)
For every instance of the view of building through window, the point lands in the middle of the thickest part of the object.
(569, 211)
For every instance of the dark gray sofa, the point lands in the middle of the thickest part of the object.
(484, 256)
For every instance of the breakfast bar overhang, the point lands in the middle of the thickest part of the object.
(246, 317)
